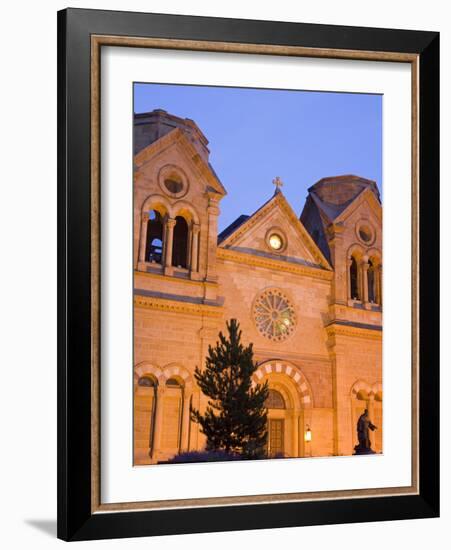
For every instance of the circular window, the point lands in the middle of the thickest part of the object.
(274, 315)
(365, 233)
(173, 185)
(275, 241)
(173, 181)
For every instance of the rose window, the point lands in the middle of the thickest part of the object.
(274, 315)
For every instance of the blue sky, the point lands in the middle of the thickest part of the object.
(255, 135)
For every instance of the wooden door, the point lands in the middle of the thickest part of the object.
(276, 439)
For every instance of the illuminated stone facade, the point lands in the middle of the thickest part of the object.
(306, 289)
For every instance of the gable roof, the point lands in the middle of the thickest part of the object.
(365, 195)
(333, 195)
(177, 136)
(331, 200)
(231, 228)
(243, 224)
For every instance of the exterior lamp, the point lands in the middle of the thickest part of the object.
(308, 434)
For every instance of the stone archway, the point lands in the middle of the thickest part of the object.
(148, 378)
(162, 398)
(175, 425)
(289, 398)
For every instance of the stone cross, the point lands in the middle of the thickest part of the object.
(278, 183)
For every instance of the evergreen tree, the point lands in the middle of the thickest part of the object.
(235, 419)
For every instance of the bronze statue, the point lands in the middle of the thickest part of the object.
(364, 424)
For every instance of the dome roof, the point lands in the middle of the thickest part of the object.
(338, 190)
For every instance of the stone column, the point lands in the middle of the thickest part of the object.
(301, 430)
(336, 245)
(295, 428)
(189, 251)
(143, 237)
(213, 213)
(376, 284)
(170, 224)
(365, 280)
(195, 248)
(379, 285)
(185, 421)
(158, 423)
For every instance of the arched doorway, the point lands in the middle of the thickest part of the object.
(289, 396)
(275, 403)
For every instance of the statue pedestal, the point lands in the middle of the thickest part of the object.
(363, 451)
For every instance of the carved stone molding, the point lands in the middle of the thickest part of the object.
(174, 306)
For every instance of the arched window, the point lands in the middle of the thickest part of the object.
(172, 416)
(274, 400)
(371, 282)
(354, 279)
(173, 382)
(145, 410)
(147, 382)
(180, 246)
(154, 243)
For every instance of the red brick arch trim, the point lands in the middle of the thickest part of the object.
(141, 369)
(293, 372)
(174, 370)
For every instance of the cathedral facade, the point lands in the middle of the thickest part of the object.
(305, 287)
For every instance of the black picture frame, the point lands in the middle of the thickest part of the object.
(76, 519)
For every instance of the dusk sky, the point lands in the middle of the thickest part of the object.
(255, 135)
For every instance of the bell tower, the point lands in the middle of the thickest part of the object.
(344, 217)
(177, 310)
(176, 202)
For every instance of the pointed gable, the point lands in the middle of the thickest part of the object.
(178, 140)
(365, 200)
(251, 235)
(333, 200)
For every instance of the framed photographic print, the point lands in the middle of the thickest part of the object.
(248, 274)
